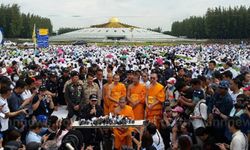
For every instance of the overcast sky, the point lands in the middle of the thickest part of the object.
(142, 13)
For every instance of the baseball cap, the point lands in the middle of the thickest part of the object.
(178, 109)
(42, 88)
(42, 118)
(224, 84)
(93, 97)
(171, 80)
(246, 88)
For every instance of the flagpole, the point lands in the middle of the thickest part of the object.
(34, 36)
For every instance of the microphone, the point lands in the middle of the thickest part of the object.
(69, 146)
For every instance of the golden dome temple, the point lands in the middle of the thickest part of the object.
(113, 30)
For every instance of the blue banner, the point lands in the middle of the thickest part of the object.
(42, 40)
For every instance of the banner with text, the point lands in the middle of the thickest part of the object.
(43, 38)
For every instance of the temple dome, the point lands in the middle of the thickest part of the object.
(114, 20)
(113, 30)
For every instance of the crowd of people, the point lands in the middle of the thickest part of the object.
(192, 96)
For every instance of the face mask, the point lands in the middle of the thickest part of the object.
(16, 78)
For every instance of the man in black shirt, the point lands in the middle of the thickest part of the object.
(61, 82)
(100, 82)
(92, 109)
(52, 86)
(92, 136)
(42, 103)
(168, 72)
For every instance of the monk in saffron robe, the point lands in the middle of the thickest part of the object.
(105, 93)
(123, 135)
(154, 100)
(115, 92)
(136, 97)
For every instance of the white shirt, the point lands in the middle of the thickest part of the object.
(200, 110)
(4, 121)
(234, 96)
(234, 113)
(33, 137)
(158, 141)
(233, 71)
(239, 141)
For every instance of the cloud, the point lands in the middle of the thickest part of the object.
(143, 13)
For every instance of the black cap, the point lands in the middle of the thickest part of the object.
(42, 88)
(93, 97)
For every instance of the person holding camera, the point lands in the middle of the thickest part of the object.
(42, 103)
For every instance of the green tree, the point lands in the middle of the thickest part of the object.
(65, 30)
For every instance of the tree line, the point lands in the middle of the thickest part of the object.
(218, 23)
(16, 24)
(66, 29)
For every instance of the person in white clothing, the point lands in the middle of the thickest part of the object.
(228, 66)
(5, 112)
(157, 139)
(199, 116)
(239, 141)
(64, 129)
(235, 89)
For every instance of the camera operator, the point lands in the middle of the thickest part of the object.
(42, 103)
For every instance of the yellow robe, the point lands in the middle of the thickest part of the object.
(123, 135)
(155, 93)
(117, 91)
(105, 98)
(138, 92)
